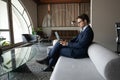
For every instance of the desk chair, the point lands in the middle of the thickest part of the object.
(30, 38)
(117, 26)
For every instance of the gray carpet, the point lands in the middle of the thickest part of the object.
(35, 68)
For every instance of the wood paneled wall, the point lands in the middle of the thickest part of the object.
(61, 15)
(61, 1)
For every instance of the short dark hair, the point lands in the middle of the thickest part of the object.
(84, 17)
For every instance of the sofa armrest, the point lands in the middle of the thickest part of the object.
(112, 70)
(105, 61)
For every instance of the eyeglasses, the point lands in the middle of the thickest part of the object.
(79, 22)
(75, 22)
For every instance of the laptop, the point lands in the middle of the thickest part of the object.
(57, 36)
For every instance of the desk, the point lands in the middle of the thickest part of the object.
(16, 57)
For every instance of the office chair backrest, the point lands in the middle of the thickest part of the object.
(117, 26)
(29, 38)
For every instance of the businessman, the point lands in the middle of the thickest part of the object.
(76, 48)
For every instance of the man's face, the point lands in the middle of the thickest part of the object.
(81, 23)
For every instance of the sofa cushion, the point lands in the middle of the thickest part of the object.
(104, 61)
(75, 69)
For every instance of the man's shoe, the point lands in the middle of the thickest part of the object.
(44, 61)
(48, 69)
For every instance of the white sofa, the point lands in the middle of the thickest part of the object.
(102, 64)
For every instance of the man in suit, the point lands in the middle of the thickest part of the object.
(76, 48)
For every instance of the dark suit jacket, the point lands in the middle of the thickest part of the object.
(79, 45)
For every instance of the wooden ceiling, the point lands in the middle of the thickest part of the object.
(61, 1)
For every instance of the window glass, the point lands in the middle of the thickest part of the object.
(21, 21)
(5, 34)
(26, 18)
(3, 15)
(18, 21)
(19, 25)
(18, 6)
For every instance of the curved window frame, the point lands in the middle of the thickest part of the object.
(20, 12)
(24, 15)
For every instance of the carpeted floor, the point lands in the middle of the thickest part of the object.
(35, 72)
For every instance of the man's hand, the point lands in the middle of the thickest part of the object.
(63, 42)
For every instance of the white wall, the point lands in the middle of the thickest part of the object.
(32, 9)
(104, 14)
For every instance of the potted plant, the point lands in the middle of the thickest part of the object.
(1, 40)
(39, 32)
(33, 31)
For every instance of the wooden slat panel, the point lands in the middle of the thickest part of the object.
(64, 34)
(61, 1)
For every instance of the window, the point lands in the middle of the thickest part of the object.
(4, 28)
(20, 19)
